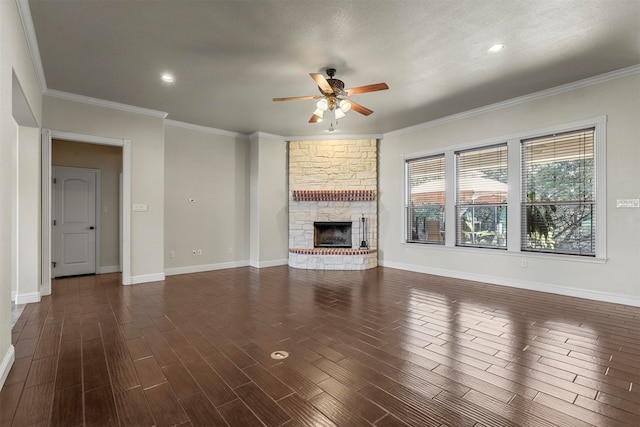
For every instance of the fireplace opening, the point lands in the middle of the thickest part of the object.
(333, 234)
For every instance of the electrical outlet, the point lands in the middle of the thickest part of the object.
(199, 251)
(194, 252)
(172, 254)
(230, 249)
(523, 263)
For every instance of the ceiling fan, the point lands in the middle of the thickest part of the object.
(334, 97)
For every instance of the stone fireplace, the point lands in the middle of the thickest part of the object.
(332, 205)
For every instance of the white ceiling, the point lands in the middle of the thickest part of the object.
(230, 58)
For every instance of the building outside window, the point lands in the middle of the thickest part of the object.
(425, 208)
(481, 197)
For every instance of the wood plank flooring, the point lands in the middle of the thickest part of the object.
(381, 347)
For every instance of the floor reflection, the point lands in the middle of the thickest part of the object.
(375, 347)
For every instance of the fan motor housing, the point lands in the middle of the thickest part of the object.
(336, 85)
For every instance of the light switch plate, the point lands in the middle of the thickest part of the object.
(628, 203)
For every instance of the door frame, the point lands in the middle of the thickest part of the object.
(98, 203)
(125, 202)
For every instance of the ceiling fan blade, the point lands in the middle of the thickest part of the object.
(359, 108)
(322, 83)
(298, 98)
(314, 119)
(368, 88)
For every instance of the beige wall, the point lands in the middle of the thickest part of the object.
(146, 133)
(268, 201)
(212, 170)
(28, 227)
(15, 58)
(108, 160)
(618, 278)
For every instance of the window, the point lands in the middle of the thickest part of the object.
(558, 197)
(425, 200)
(556, 203)
(481, 197)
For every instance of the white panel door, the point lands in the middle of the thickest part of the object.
(74, 228)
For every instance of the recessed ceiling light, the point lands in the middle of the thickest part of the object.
(496, 48)
(168, 78)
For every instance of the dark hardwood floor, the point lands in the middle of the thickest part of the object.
(382, 347)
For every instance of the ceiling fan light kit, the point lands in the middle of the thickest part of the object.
(334, 98)
(322, 104)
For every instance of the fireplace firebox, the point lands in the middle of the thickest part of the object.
(332, 234)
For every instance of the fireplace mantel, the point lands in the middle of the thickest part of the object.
(333, 195)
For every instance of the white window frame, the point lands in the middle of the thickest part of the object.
(407, 204)
(457, 201)
(514, 198)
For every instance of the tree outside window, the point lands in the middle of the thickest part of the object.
(558, 193)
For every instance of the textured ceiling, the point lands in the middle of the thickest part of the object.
(230, 58)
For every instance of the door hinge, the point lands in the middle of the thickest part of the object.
(54, 180)
(54, 222)
(54, 264)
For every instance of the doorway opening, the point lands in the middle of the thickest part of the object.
(47, 201)
(78, 162)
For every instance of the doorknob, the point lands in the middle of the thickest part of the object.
(91, 228)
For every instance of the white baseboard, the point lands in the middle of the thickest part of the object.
(145, 278)
(272, 263)
(204, 267)
(109, 269)
(520, 284)
(7, 363)
(27, 297)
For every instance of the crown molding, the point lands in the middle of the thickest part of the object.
(32, 42)
(334, 137)
(590, 81)
(205, 129)
(263, 135)
(102, 103)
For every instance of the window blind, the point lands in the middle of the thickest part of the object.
(558, 193)
(481, 197)
(425, 199)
